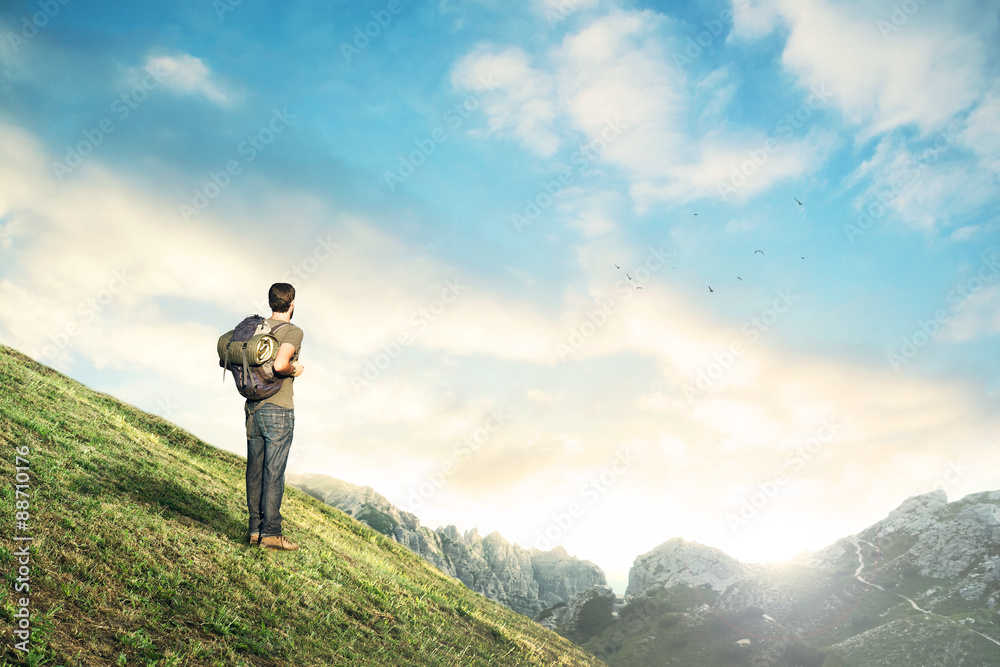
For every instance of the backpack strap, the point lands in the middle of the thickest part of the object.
(246, 362)
(275, 328)
(249, 412)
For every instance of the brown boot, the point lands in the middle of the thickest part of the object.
(254, 539)
(278, 542)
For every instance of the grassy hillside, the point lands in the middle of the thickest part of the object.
(138, 557)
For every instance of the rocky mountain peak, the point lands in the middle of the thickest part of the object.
(914, 514)
(677, 562)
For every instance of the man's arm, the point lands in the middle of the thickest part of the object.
(283, 362)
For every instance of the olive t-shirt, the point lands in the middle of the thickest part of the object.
(288, 333)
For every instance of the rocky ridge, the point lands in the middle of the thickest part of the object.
(920, 587)
(525, 580)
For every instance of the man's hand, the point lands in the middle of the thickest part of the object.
(297, 369)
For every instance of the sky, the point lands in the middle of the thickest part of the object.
(589, 273)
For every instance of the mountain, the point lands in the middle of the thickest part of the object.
(137, 556)
(921, 588)
(525, 580)
(679, 562)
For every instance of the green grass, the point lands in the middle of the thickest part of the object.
(139, 557)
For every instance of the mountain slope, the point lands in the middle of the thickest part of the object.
(921, 588)
(526, 580)
(138, 557)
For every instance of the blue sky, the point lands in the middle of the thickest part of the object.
(467, 197)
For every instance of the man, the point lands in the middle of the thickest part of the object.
(270, 423)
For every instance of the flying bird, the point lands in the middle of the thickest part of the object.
(758, 251)
(617, 267)
(738, 278)
(628, 276)
(797, 201)
(710, 289)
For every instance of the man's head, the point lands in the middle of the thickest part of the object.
(280, 297)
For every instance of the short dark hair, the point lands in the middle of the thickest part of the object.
(280, 297)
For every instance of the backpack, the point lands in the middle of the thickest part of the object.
(248, 352)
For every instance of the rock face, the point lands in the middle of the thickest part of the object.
(492, 566)
(560, 576)
(585, 616)
(526, 581)
(919, 588)
(677, 562)
(926, 536)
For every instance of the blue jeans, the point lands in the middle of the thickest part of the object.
(269, 438)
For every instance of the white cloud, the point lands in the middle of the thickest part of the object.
(521, 102)
(753, 19)
(979, 317)
(736, 167)
(613, 84)
(924, 73)
(609, 82)
(610, 97)
(982, 133)
(617, 86)
(127, 250)
(188, 75)
(924, 184)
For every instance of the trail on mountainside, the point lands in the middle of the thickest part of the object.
(860, 569)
